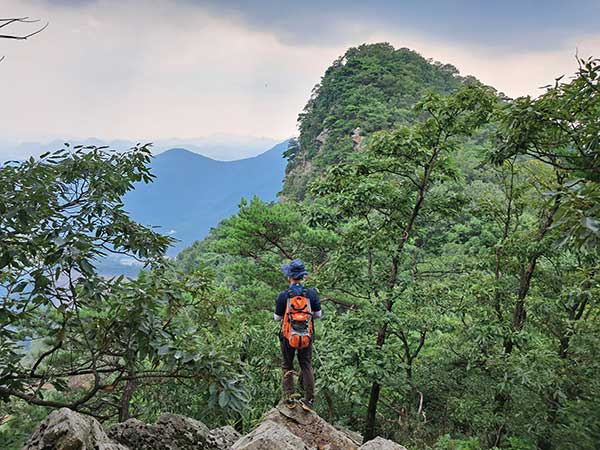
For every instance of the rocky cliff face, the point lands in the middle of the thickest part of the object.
(281, 429)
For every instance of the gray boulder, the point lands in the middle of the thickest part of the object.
(170, 432)
(353, 435)
(281, 429)
(322, 137)
(356, 138)
(271, 435)
(65, 429)
(380, 443)
(222, 438)
(287, 429)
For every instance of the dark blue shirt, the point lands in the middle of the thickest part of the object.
(311, 294)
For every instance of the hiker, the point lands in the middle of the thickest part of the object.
(296, 307)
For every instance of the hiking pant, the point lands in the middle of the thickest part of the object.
(305, 360)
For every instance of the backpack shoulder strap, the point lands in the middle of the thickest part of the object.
(305, 295)
(285, 323)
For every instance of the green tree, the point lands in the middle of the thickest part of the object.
(379, 197)
(98, 337)
(561, 128)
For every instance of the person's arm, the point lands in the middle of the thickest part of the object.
(315, 304)
(280, 306)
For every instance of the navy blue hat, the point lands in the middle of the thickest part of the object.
(295, 269)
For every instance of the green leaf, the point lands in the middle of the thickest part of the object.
(223, 399)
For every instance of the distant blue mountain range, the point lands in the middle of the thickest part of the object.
(192, 193)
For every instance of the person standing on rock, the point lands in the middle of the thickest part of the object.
(296, 308)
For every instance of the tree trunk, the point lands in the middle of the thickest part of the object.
(372, 411)
(125, 402)
(520, 313)
(375, 387)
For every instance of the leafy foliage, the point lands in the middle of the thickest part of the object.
(94, 340)
(370, 88)
(451, 239)
(562, 129)
(453, 317)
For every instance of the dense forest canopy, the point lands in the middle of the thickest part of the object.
(451, 233)
(369, 88)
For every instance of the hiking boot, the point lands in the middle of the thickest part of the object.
(306, 404)
(291, 401)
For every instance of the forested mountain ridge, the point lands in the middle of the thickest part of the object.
(457, 269)
(370, 88)
(192, 193)
(433, 226)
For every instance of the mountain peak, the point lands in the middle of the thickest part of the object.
(192, 192)
(370, 88)
(182, 152)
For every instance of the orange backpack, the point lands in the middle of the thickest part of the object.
(297, 325)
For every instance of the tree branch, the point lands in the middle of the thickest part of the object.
(20, 20)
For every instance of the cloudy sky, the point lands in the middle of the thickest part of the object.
(160, 69)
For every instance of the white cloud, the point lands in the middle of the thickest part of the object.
(514, 73)
(159, 69)
(111, 70)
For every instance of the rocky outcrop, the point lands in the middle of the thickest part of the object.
(322, 137)
(64, 429)
(357, 138)
(270, 435)
(381, 444)
(297, 429)
(280, 429)
(222, 438)
(285, 429)
(170, 432)
(353, 435)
